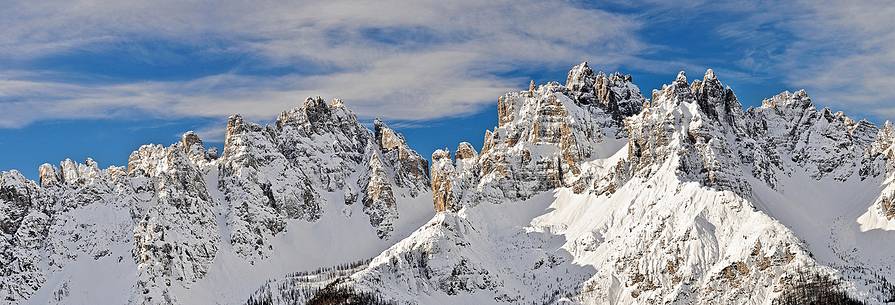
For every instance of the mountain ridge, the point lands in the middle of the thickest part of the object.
(181, 205)
(585, 192)
(692, 140)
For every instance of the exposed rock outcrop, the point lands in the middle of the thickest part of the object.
(542, 137)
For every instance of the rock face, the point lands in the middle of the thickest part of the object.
(176, 205)
(882, 151)
(176, 211)
(542, 138)
(616, 93)
(690, 200)
(675, 127)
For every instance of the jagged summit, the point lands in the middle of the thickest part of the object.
(681, 77)
(786, 99)
(318, 116)
(542, 137)
(709, 75)
(68, 172)
(616, 93)
(387, 138)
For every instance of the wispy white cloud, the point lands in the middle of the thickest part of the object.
(841, 52)
(845, 53)
(408, 60)
(419, 60)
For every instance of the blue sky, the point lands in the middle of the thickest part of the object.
(97, 79)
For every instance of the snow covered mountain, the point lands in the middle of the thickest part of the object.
(584, 193)
(181, 225)
(576, 199)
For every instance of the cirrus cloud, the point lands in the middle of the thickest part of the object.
(406, 60)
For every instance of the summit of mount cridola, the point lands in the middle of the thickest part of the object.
(587, 192)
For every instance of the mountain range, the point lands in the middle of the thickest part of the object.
(586, 192)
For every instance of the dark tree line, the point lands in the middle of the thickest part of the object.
(813, 288)
(302, 287)
(341, 295)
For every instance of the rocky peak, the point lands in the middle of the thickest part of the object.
(543, 136)
(786, 133)
(677, 92)
(192, 145)
(236, 125)
(581, 82)
(317, 117)
(441, 154)
(465, 151)
(709, 87)
(887, 133)
(190, 139)
(47, 175)
(688, 130)
(71, 172)
(467, 163)
(863, 132)
(718, 102)
(615, 93)
(709, 75)
(316, 110)
(386, 138)
(321, 147)
(337, 103)
(411, 170)
(454, 181)
(794, 110)
(682, 77)
(788, 100)
(17, 196)
(619, 95)
(883, 146)
(146, 160)
(442, 176)
(379, 198)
